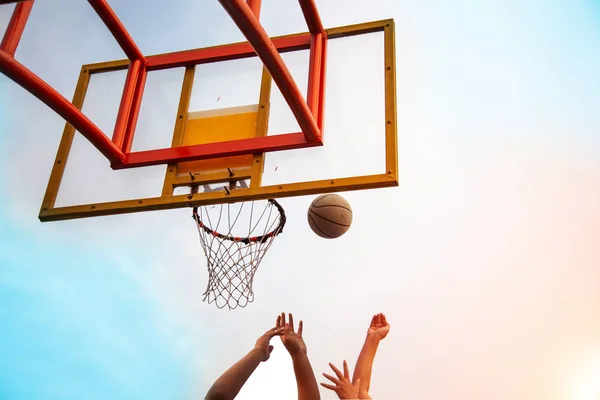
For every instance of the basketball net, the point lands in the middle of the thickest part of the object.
(234, 256)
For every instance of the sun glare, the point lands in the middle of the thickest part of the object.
(588, 387)
(587, 391)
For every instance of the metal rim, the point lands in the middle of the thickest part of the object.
(250, 239)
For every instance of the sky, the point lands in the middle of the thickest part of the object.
(485, 259)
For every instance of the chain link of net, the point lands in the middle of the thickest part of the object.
(232, 260)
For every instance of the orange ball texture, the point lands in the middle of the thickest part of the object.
(330, 216)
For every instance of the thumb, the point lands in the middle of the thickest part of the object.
(270, 349)
(357, 384)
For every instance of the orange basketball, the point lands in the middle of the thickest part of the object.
(330, 216)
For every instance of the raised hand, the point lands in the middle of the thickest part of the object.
(263, 343)
(379, 327)
(291, 339)
(308, 389)
(228, 385)
(343, 386)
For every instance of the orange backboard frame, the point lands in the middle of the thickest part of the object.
(255, 191)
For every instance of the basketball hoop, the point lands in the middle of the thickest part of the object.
(234, 256)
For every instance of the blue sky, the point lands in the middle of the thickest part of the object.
(75, 327)
(485, 259)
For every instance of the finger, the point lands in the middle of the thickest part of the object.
(384, 320)
(346, 372)
(271, 330)
(271, 349)
(278, 323)
(282, 319)
(331, 378)
(300, 326)
(291, 322)
(374, 320)
(274, 332)
(337, 371)
(328, 386)
(357, 384)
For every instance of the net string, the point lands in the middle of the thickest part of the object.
(232, 261)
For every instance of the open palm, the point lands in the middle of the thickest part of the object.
(379, 327)
(343, 387)
(291, 339)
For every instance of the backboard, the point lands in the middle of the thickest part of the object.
(301, 114)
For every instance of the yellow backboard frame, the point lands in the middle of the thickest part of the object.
(256, 191)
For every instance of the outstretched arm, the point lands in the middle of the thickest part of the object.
(305, 378)
(228, 385)
(308, 389)
(378, 330)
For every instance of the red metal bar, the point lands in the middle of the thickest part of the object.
(314, 75)
(254, 6)
(223, 53)
(215, 150)
(15, 28)
(63, 107)
(126, 103)
(260, 41)
(135, 111)
(117, 29)
(311, 15)
(321, 112)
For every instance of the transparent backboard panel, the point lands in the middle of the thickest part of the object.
(354, 128)
(88, 177)
(158, 112)
(281, 118)
(226, 84)
(354, 131)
